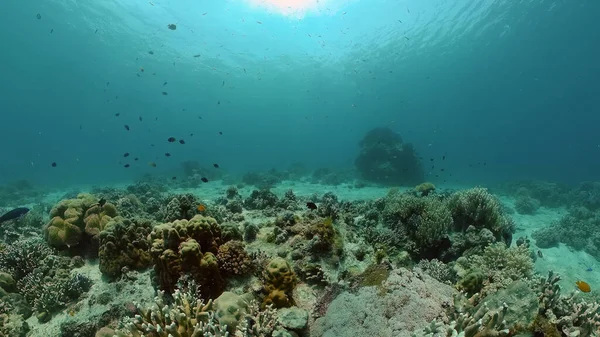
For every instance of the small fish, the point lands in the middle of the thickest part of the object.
(197, 55)
(14, 214)
(221, 133)
(174, 178)
(201, 208)
(172, 26)
(53, 164)
(165, 83)
(181, 141)
(406, 37)
(126, 154)
(311, 205)
(142, 69)
(444, 157)
(126, 127)
(167, 154)
(165, 93)
(216, 165)
(51, 30)
(223, 84)
(140, 118)
(151, 52)
(204, 13)
(136, 158)
(96, 31)
(583, 286)
(260, 23)
(218, 102)
(151, 164)
(126, 165)
(171, 139)
(539, 253)
(204, 180)
(39, 16)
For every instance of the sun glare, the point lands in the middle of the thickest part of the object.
(296, 8)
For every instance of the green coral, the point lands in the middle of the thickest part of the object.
(71, 218)
(124, 244)
(478, 208)
(188, 247)
(279, 283)
(426, 221)
(499, 265)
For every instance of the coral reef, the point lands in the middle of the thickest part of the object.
(384, 158)
(124, 244)
(71, 218)
(279, 283)
(188, 247)
(495, 269)
(577, 229)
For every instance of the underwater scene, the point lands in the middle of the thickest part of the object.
(300, 168)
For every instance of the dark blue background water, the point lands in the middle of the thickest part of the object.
(513, 85)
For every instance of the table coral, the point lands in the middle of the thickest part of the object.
(188, 247)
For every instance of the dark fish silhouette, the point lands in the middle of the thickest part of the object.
(171, 139)
(204, 180)
(216, 165)
(181, 141)
(311, 205)
(53, 164)
(14, 214)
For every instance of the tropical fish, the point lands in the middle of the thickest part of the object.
(583, 286)
(14, 214)
(201, 208)
(311, 205)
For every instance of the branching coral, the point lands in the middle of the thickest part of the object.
(188, 317)
(425, 220)
(185, 317)
(478, 208)
(570, 315)
(483, 323)
(23, 256)
(499, 266)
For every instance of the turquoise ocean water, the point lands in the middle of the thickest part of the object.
(513, 84)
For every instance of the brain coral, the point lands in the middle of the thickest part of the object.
(70, 218)
(188, 247)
